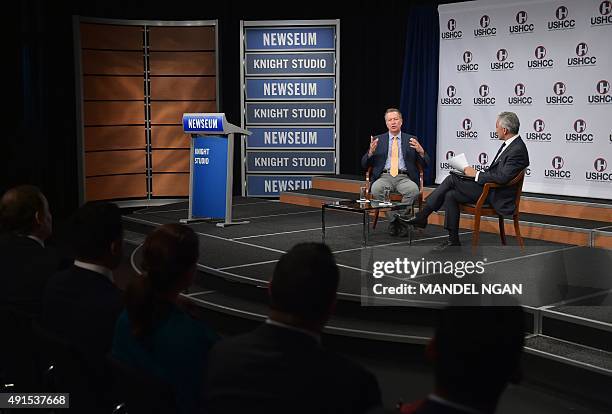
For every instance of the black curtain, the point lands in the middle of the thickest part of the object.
(419, 101)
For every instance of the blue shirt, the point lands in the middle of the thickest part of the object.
(402, 164)
(175, 352)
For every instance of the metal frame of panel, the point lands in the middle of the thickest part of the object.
(77, 21)
(336, 75)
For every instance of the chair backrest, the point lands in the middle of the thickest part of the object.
(73, 371)
(140, 391)
(518, 182)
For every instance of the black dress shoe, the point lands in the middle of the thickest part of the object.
(416, 221)
(445, 245)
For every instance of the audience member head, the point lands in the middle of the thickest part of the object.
(303, 286)
(169, 257)
(476, 352)
(98, 234)
(24, 210)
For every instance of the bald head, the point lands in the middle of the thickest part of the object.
(24, 210)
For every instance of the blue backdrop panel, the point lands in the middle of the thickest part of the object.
(209, 176)
(291, 137)
(304, 113)
(273, 185)
(295, 89)
(299, 38)
(308, 63)
(290, 162)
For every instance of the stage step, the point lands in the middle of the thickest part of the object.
(580, 232)
(582, 356)
(557, 206)
(338, 325)
(540, 227)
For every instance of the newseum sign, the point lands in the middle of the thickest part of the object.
(290, 103)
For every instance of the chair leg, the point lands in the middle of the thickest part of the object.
(375, 218)
(476, 234)
(502, 230)
(517, 230)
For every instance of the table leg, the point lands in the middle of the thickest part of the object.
(323, 224)
(364, 240)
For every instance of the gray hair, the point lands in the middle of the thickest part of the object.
(510, 121)
(388, 111)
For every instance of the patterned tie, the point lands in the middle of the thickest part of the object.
(498, 152)
(394, 157)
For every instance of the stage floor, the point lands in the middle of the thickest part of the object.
(553, 275)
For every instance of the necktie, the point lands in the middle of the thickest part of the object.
(394, 157)
(498, 152)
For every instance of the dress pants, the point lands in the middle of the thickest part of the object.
(452, 192)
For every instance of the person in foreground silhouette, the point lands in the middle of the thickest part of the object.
(476, 352)
(511, 158)
(282, 367)
(27, 263)
(155, 333)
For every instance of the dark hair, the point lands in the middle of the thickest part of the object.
(478, 350)
(305, 281)
(168, 252)
(95, 225)
(18, 208)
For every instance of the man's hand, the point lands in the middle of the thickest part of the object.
(469, 171)
(373, 145)
(417, 147)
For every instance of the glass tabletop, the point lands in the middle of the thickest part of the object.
(356, 205)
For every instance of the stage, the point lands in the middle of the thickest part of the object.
(567, 289)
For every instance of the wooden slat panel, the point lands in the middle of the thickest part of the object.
(182, 63)
(112, 62)
(182, 38)
(163, 136)
(602, 240)
(113, 88)
(114, 137)
(170, 160)
(169, 185)
(105, 36)
(115, 162)
(172, 112)
(116, 187)
(114, 113)
(183, 88)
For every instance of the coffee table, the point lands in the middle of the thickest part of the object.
(357, 206)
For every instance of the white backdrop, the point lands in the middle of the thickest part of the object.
(548, 61)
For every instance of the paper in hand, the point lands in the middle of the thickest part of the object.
(459, 162)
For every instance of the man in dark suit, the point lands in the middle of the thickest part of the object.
(281, 367)
(81, 304)
(393, 156)
(25, 225)
(476, 352)
(511, 158)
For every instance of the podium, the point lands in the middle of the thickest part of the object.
(211, 167)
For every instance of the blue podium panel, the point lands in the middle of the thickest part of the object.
(273, 185)
(209, 176)
(291, 137)
(283, 63)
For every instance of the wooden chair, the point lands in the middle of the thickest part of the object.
(395, 196)
(481, 208)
